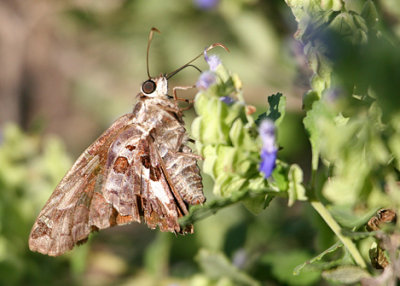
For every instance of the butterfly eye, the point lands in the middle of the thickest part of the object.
(148, 86)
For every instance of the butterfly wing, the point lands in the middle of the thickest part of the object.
(136, 183)
(120, 177)
(63, 220)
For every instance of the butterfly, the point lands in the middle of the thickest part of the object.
(139, 168)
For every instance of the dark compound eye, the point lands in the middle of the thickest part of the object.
(148, 86)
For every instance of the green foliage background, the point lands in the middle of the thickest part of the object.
(83, 64)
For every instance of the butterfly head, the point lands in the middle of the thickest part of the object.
(155, 87)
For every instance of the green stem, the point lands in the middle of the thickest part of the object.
(201, 212)
(314, 167)
(347, 242)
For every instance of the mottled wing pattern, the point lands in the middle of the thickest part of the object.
(118, 179)
(136, 184)
(63, 221)
(179, 161)
(185, 175)
(140, 167)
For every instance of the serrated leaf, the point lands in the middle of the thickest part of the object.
(309, 98)
(217, 266)
(276, 109)
(304, 11)
(346, 274)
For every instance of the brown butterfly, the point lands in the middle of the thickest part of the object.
(139, 167)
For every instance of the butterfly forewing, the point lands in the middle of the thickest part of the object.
(140, 166)
(63, 221)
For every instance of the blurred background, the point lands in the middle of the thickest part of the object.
(70, 68)
(81, 63)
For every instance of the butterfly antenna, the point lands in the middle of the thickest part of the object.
(148, 48)
(169, 75)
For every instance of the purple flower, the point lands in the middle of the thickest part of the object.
(267, 164)
(333, 94)
(269, 150)
(206, 79)
(206, 4)
(227, 100)
(213, 61)
(240, 258)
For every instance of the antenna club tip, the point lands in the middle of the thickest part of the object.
(218, 45)
(154, 29)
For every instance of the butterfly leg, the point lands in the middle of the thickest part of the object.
(176, 98)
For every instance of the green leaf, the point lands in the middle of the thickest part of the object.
(394, 145)
(309, 98)
(228, 184)
(346, 274)
(209, 127)
(280, 181)
(370, 14)
(307, 263)
(226, 157)
(350, 27)
(296, 190)
(210, 158)
(311, 121)
(240, 136)
(255, 203)
(228, 138)
(259, 184)
(283, 264)
(217, 266)
(276, 110)
(347, 218)
(335, 5)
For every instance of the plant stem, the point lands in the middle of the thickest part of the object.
(347, 242)
(201, 212)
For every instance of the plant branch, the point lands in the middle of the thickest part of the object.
(347, 242)
(201, 212)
